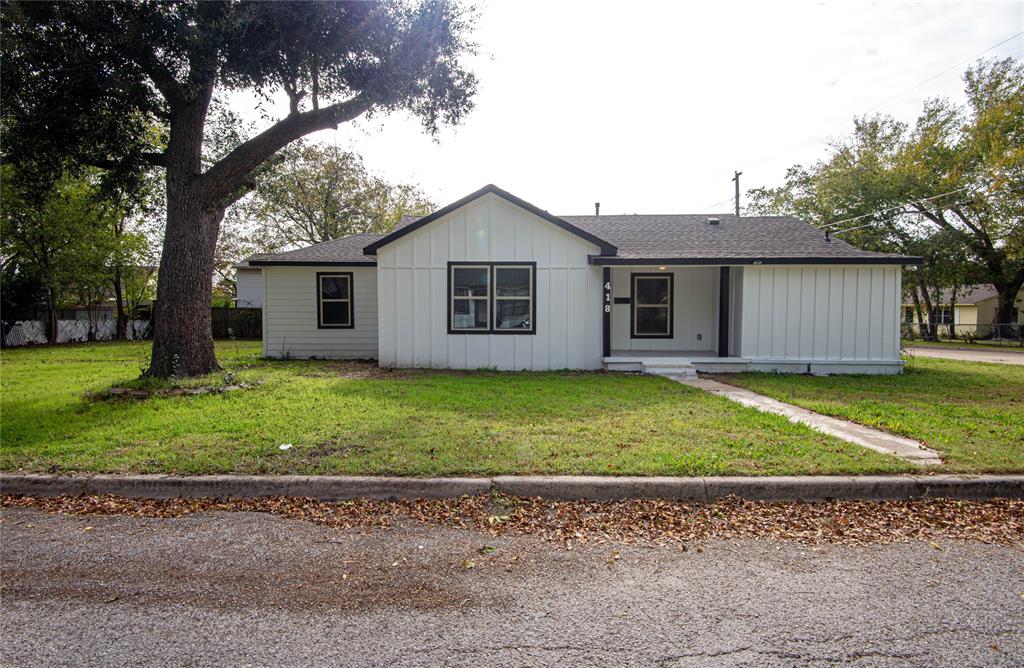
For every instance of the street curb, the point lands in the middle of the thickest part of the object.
(324, 488)
(595, 488)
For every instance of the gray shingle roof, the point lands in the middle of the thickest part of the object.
(653, 237)
(690, 236)
(345, 250)
(967, 294)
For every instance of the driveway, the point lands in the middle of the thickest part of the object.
(240, 588)
(1010, 356)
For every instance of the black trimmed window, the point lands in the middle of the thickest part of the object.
(492, 297)
(651, 297)
(334, 303)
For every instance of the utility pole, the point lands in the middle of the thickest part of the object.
(736, 179)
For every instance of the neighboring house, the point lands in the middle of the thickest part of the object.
(975, 305)
(248, 286)
(491, 281)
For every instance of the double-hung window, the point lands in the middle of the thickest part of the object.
(652, 306)
(334, 300)
(491, 298)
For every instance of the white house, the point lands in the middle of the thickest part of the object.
(248, 286)
(491, 281)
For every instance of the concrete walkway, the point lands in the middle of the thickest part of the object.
(994, 356)
(867, 437)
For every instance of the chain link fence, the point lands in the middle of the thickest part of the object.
(1006, 334)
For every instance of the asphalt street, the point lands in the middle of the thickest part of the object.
(252, 589)
(978, 354)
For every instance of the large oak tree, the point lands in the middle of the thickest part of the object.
(84, 82)
(949, 188)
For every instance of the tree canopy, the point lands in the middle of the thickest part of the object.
(86, 83)
(949, 188)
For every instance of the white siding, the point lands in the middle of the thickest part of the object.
(248, 288)
(694, 312)
(413, 284)
(821, 313)
(290, 315)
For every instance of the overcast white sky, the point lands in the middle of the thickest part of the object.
(648, 107)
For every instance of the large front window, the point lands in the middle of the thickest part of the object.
(491, 298)
(652, 306)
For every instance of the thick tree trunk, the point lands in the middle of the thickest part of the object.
(51, 320)
(122, 319)
(183, 339)
(918, 312)
(929, 333)
(1007, 295)
(952, 313)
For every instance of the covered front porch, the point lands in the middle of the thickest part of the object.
(665, 317)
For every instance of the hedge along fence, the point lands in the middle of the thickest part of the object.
(238, 323)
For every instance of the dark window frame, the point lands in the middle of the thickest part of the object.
(351, 300)
(633, 304)
(492, 297)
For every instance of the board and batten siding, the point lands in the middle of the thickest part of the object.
(290, 315)
(814, 313)
(413, 292)
(248, 288)
(694, 310)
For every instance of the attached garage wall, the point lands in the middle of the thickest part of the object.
(290, 315)
(414, 283)
(821, 314)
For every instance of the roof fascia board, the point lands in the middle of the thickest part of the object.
(602, 260)
(313, 263)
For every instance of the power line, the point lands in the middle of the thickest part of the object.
(711, 207)
(901, 206)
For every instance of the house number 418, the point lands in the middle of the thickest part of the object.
(607, 297)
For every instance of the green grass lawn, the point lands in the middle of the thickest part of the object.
(971, 412)
(354, 418)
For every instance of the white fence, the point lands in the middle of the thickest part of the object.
(33, 332)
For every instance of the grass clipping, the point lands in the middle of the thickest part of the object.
(999, 521)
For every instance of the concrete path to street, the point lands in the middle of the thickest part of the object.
(215, 589)
(868, 437)
(993, 355)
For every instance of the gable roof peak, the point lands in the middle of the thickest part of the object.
(490, 188)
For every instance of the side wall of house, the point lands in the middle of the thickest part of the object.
(827, 319)
(248, 288)
(290, 315)
(694, 310)
(413, 292)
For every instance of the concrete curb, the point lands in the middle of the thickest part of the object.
(596, 488)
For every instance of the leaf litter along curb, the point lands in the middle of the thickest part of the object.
(567, 522)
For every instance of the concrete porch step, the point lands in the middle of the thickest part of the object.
(674, 370)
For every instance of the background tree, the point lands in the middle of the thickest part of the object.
(951, 189)
(55, 239)
(318, 192)
(85, 81)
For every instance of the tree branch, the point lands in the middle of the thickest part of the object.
(224, 177)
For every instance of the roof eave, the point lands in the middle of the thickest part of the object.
(604, 260)
(313, 263)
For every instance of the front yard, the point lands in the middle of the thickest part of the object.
(971, 412)
(354, 418)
